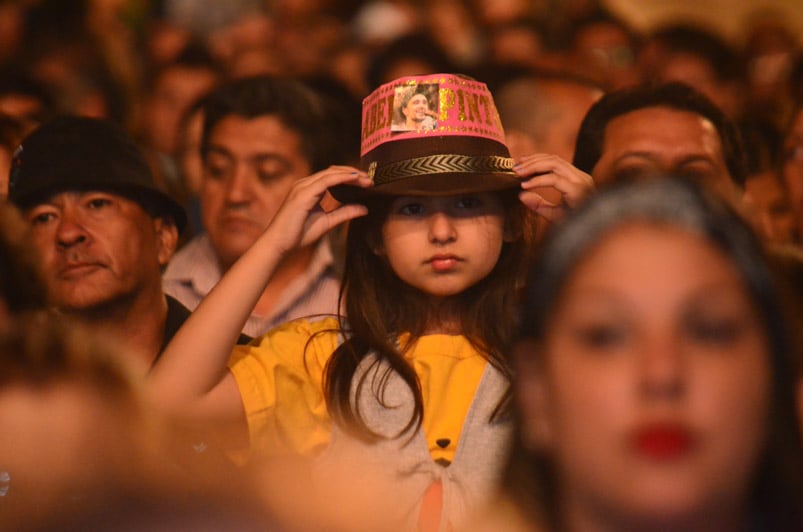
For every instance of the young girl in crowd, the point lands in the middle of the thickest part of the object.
(402, 397)
(654, 383)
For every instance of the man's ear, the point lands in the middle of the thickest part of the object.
(532, 397)
(167, 239)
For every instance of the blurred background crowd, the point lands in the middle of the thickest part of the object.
(149, 65)
(144, 63)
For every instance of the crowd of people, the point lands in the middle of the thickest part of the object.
(398, 265)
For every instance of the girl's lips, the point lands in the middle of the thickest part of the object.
(444, 263)
(663, 441)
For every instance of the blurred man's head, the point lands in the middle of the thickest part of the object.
(665, 129)
(175, 87)
(698, 57)
(260, 135)
(604, 47)
(771, 208)
(542, 112)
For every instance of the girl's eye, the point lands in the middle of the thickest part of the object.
(469, 202)
(411, 209)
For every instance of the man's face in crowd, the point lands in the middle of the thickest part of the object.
(663, 140)
(98, 248)
(176, 89)
(771, 208)
(249, 167)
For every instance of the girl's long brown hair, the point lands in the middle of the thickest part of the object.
(379, 307)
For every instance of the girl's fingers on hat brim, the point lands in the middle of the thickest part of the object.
(336, 175)
(302, 218)
(311, 189)
(573, 190)
(537, 204)
(347, 175)
(543, 170)
(537, 163)
(534, 166)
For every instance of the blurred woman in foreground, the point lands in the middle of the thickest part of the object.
(654, 388)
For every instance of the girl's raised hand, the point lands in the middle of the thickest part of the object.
(301, 221)
(191, 375)
(546, 170)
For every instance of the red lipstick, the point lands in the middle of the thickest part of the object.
(663, 441)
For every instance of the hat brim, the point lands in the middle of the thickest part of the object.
(427, 185)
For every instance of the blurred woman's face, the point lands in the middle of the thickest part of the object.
(652, 391)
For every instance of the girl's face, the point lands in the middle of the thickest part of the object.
(443, 245)
(652, 394)
(417, 108)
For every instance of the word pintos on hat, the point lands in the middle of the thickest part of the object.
(432, 135)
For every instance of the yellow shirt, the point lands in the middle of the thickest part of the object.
(281, 386)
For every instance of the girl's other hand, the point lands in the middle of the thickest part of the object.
(301, 220)
(546, 170)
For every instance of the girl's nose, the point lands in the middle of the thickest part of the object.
(441, 228)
